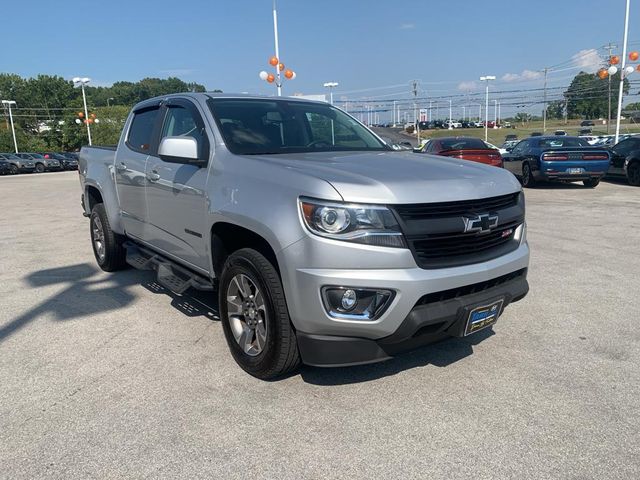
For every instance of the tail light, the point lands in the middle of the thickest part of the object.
(556, 156)
(595, 156)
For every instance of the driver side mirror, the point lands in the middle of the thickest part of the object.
(180, 150)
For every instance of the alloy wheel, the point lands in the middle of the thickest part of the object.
(247, 314)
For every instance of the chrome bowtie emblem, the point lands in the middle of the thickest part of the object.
(482, 223)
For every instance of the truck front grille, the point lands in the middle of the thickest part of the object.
(436, 233)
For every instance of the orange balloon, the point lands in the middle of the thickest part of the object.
(602, 73)
(633, 56)
(271, 78)
(273, 61)
(281, 67)
(614, 60)
(81, 115)
(90, 120)
(93, 115)
(638, 68)
(288, 74)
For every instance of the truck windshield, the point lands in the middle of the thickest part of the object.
(258, 127)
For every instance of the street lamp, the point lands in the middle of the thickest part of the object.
(331, 86)
(8, 103)
(486, 78)
(82, 82)
(450, 119)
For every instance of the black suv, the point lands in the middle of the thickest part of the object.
(42, 163)
(66, 161)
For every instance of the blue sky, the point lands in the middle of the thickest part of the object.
(363, 45)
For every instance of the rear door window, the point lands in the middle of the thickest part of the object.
(141, 130)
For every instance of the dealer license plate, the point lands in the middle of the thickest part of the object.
(483, 317)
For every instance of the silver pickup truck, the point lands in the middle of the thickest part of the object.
(324, 245)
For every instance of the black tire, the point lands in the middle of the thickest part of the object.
(279, 354)
(591, 183)
(39, 167)
(13, 169)
(112, 256)
(527, 177)
(633, 174)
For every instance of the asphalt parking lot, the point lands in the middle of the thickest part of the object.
(108, 375)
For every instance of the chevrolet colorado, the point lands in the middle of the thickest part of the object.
(325, 246)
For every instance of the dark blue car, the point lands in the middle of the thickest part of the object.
(557, 158)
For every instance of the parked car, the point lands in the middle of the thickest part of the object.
(5, 167)
(18, 165)
(67, 163)
(327, 247)
(536, 134)
(584, 131)
(509, 144)
(625, 160)
(510, 137)
(557, 158)
(587, 123)
(466, 148)
(42, 164)
(559, 133)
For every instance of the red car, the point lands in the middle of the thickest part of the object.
(467, 148)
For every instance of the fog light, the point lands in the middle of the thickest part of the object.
(349, 299)
(356, 303)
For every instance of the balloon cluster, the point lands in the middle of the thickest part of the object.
(91, 119)
(280, 68)
(613, 69)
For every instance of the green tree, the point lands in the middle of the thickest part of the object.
(555, 110)
(587, 95)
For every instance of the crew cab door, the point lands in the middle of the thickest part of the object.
(130, 162)
(176, 191)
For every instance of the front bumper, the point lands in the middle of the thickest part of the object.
(312, 263)
(425, 323)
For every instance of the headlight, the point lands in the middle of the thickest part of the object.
(367, 224)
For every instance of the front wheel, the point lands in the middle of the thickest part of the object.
(107, 245)
(13, 169)
(527, 177)
(254, 316)
(39, 167)
(633, 174)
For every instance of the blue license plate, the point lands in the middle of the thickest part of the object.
(483, 316)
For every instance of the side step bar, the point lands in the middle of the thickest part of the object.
(172, 276)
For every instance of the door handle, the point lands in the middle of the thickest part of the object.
(153, 176)
(121, 167)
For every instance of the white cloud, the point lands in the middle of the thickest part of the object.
(471, 85)
(521, 77)
(407, 26)
(588, 60)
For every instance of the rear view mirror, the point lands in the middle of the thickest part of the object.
(179, 150)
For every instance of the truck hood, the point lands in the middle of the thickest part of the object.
(399, 177)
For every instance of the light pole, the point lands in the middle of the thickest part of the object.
(82, 82)
(495, 112)
(486, 78)
(331, 86)
(8, 103)
(450, 119)
(464, 113)
(622, 70)
(108, 100)
(275, 60)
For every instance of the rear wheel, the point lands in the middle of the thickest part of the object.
(527, 177)
(254, 315)
(13, 169)
(107, 245)
(633, 174)
(591, 183)
(39, 167)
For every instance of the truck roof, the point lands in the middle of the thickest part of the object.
(213, 95)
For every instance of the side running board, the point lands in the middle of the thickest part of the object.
(172, 276)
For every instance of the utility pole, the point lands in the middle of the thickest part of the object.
(394, 113)
(544, 112)
(415, 107)
(450, 119)
(610, 48)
